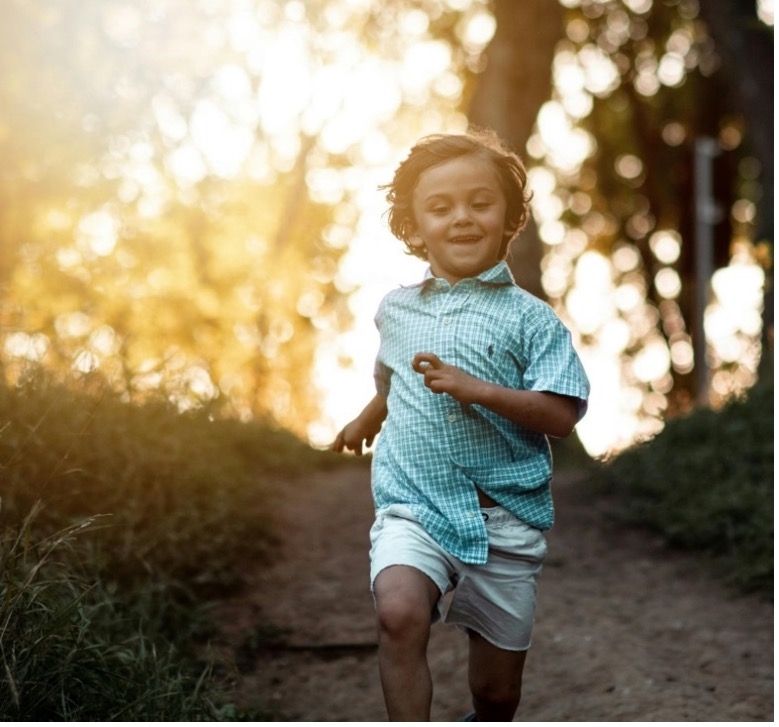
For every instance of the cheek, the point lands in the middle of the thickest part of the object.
(429, 228)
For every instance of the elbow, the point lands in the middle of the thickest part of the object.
(563, 430)
(565, 422)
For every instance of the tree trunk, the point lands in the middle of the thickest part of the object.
(746, 48)
(516, 82)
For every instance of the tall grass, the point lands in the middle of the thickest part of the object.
(706, 483)
(101, 616)
(70, 651)
(185, 493)
(119, 522)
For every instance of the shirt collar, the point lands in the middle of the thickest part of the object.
(499, 274)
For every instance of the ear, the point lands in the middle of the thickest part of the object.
(413, 239)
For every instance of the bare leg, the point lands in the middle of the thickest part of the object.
(495, 677)
(405, 598)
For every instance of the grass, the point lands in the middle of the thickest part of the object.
(117, 524)
(71, 652)
(182, 493)
(706, 483)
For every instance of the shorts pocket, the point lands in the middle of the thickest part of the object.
(517, 540)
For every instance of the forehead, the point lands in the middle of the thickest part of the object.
(463, 174)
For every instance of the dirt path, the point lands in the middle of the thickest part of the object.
(625, 630)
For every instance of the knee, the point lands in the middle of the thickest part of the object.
(497, 696)
(401, 617)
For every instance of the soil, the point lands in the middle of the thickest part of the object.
(626, 630)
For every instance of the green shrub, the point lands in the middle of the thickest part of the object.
(71, 652)
(186, 494)
(168, 509)
(706, 482)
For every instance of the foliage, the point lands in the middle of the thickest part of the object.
(706, 483)
(176, 210)
(620, 199)
(120, 521)
(72, 652)
(131, 244)
(182, 493)
(180, 183)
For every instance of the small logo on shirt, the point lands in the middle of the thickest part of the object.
(490, 350)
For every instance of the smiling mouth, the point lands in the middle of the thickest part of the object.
(465, 238)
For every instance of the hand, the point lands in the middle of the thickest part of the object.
(442, 378)
(352, 437)
(542, 411)
(363, 429)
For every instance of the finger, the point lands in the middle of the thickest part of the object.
(424, 361)
(434, 385)
(338, 444)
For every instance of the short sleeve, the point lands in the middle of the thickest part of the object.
(381, 376)
(553, 365)
(381, 373)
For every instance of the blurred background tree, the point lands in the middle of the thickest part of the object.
(151, 236)
(178, 187)
(183, 182)
(609, 98)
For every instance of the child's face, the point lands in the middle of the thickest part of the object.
(459, 217)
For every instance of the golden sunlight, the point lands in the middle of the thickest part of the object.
(304, 110)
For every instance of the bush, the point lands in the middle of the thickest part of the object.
(168, 509)
(71, 652)
(706, 483)
(186, 493)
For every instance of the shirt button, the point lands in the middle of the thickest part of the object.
(452, 417)
(447, 320)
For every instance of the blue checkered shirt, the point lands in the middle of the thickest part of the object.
(433, 451)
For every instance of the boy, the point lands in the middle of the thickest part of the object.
(472, 374)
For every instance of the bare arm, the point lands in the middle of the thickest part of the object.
(363, 428)
(541, 411)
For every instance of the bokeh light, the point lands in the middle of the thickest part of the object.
(290, 83)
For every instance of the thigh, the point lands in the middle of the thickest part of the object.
(405, 559)
(498, 599)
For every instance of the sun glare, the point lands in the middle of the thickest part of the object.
(350, 99)
(765, 11)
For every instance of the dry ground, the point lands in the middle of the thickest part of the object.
(625, 629)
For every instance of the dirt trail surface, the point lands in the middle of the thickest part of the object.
(625, 629)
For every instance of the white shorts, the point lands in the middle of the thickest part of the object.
(496, 600)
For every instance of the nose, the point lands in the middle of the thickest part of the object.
(462, 215)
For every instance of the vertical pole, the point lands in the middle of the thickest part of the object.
(707, 213)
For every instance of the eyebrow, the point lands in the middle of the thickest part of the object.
(475, 190)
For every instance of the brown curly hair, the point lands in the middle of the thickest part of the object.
(439, 148)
